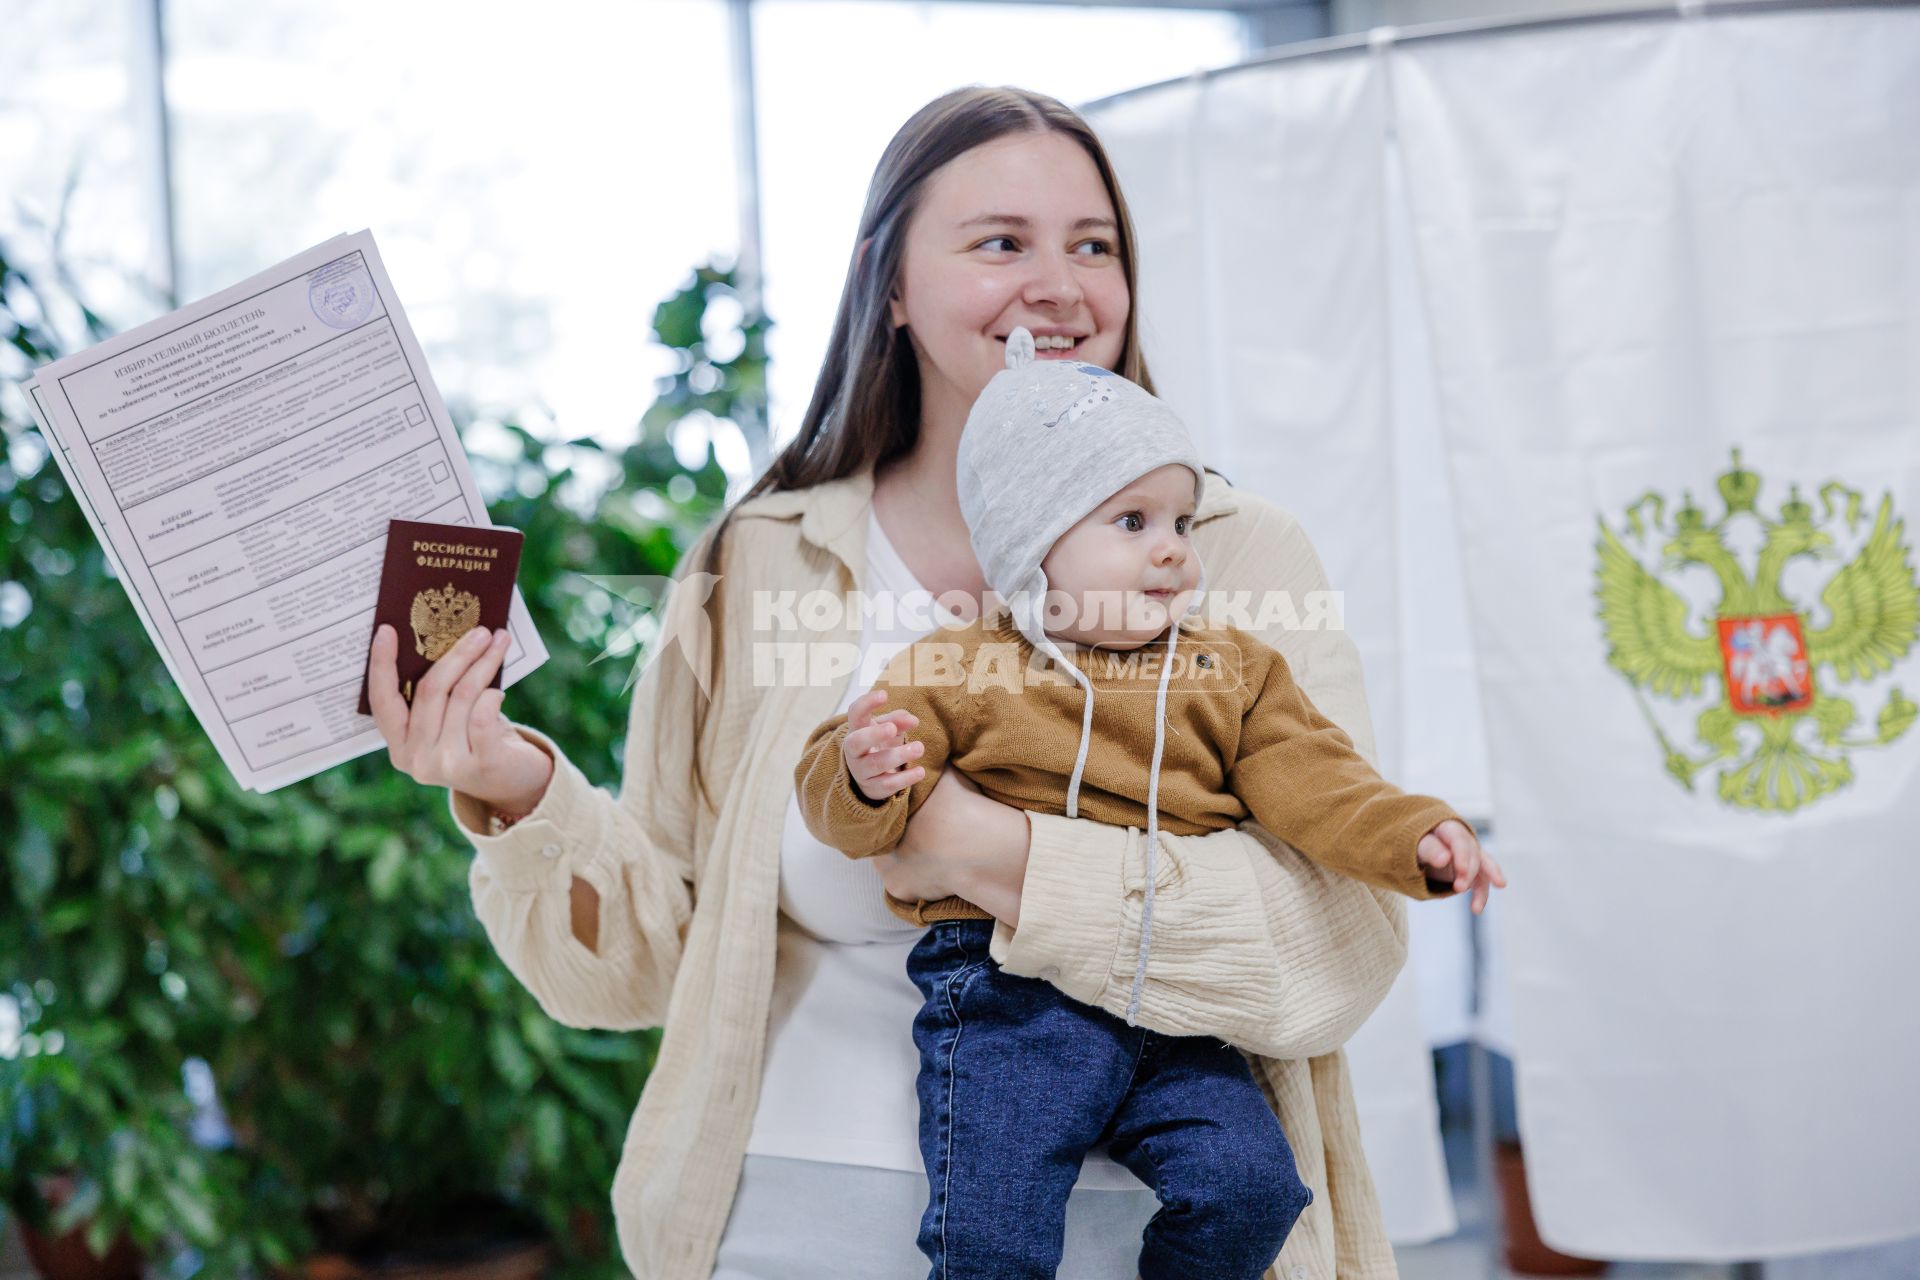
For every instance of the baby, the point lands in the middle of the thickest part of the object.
(1075, 480)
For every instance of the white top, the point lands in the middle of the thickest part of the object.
(841, 1062)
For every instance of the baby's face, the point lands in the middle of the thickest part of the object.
(1129, 566)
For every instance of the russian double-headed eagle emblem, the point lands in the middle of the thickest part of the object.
(1779, 729)
(440, 618)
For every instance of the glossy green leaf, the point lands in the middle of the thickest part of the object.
(33, 866)
(510, 1057)
(383, 873)
(103, 967)
(191, 1213)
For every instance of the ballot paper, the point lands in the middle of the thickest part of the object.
(239, 460)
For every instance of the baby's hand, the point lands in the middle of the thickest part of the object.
(1452, 846)
(876, 751)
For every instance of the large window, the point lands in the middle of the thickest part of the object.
(71, 160)
(537, 179)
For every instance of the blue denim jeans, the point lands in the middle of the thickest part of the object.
(1017, 1082)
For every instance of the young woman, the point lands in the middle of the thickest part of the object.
(776, 1135)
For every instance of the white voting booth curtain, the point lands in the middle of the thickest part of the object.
(1259, 205)
(1623, 250)
(1673, 275)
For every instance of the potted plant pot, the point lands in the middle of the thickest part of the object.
(474, 1238)
(1523, 1249)
(479, 1260)
(67, 1257)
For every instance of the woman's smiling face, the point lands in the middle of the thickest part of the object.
(1017, 231)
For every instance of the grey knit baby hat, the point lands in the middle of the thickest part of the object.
(1046, 443)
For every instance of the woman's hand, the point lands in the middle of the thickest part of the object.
(454, 735)
(961, 842)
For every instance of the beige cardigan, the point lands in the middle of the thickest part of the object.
(1253, 944)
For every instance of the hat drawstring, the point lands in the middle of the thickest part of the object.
(1153, 823)
(1086, 736)
(1036, 630)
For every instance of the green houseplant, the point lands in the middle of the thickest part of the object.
(384, 1077)
(91, 1082)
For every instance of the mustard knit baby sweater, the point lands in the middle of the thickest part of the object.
(1242, 740)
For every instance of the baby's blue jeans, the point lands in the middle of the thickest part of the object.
(1017, 1082)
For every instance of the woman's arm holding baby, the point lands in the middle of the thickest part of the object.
(1252, 943)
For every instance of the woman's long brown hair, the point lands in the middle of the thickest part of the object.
(866, 403)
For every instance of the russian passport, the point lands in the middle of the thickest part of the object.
(438, 582)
